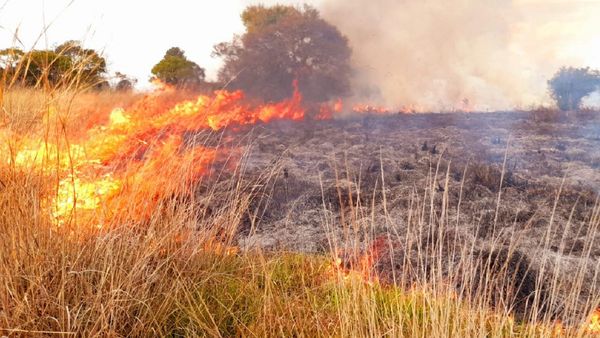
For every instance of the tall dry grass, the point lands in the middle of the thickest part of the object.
(175, 274)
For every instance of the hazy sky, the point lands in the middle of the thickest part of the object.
(497, 54)
(134, 34)
(496, 51)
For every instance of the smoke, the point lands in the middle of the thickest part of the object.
(463, 54)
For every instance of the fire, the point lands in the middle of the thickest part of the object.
(367, 108)
(593, 325)
(328, 110)
(558, 329)
(411, 109)
(362, 266)
(338, 105)
(72, 192)
(138, 156)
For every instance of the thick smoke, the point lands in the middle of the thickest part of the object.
(461, 54)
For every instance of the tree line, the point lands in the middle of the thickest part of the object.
(67, 64)
(281, 46)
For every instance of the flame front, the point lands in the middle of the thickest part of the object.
(367, 108)
(138, 156)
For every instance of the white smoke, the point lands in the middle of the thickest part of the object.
(445, 54)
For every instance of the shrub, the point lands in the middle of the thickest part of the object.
(570, 86)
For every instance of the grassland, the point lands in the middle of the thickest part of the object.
(185, 270)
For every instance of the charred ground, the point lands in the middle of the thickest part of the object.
(319, 160)
(434, 181)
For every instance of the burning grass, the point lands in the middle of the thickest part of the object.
(134, 225)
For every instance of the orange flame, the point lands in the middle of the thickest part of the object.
(139, 155)
(363, 265)
(593, 325)
(558, 329)
(370, 109)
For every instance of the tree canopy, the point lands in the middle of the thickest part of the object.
(90, 66)
(282, 44)
(177, 70)
(570, 86)
(68, 64)
(124, 83)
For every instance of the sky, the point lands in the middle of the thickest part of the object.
(133, 34)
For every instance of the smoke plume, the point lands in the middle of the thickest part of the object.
(463, 54)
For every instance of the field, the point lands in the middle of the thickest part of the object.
(417, 225)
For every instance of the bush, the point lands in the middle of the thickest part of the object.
(570, 86)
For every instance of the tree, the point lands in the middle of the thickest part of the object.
(177, 70)
(9, 61)
(41, 67)
(256, 18)
(9, 58)
(282, 44)
(68, 64)
(88, 67)
(570, 86)
(124, 82)
(176, 52)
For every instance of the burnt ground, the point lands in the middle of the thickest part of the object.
(406, 175)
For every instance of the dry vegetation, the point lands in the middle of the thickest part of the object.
(417, 226)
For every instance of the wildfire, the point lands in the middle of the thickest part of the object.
(558, 329)
(362, 265)
(139, 155)
(370, 109)
(361, 268)
(594, 322)
(327, 111)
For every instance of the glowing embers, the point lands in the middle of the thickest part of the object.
(360, 269)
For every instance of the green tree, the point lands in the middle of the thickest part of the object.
(282, 44)
(177, 70)
(88, 67)
(257, 18)
(67, 65)
(44, 67)
(176, 52)
(570, 86)
(10, 57)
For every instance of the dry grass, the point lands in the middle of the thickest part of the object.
(145, 280)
